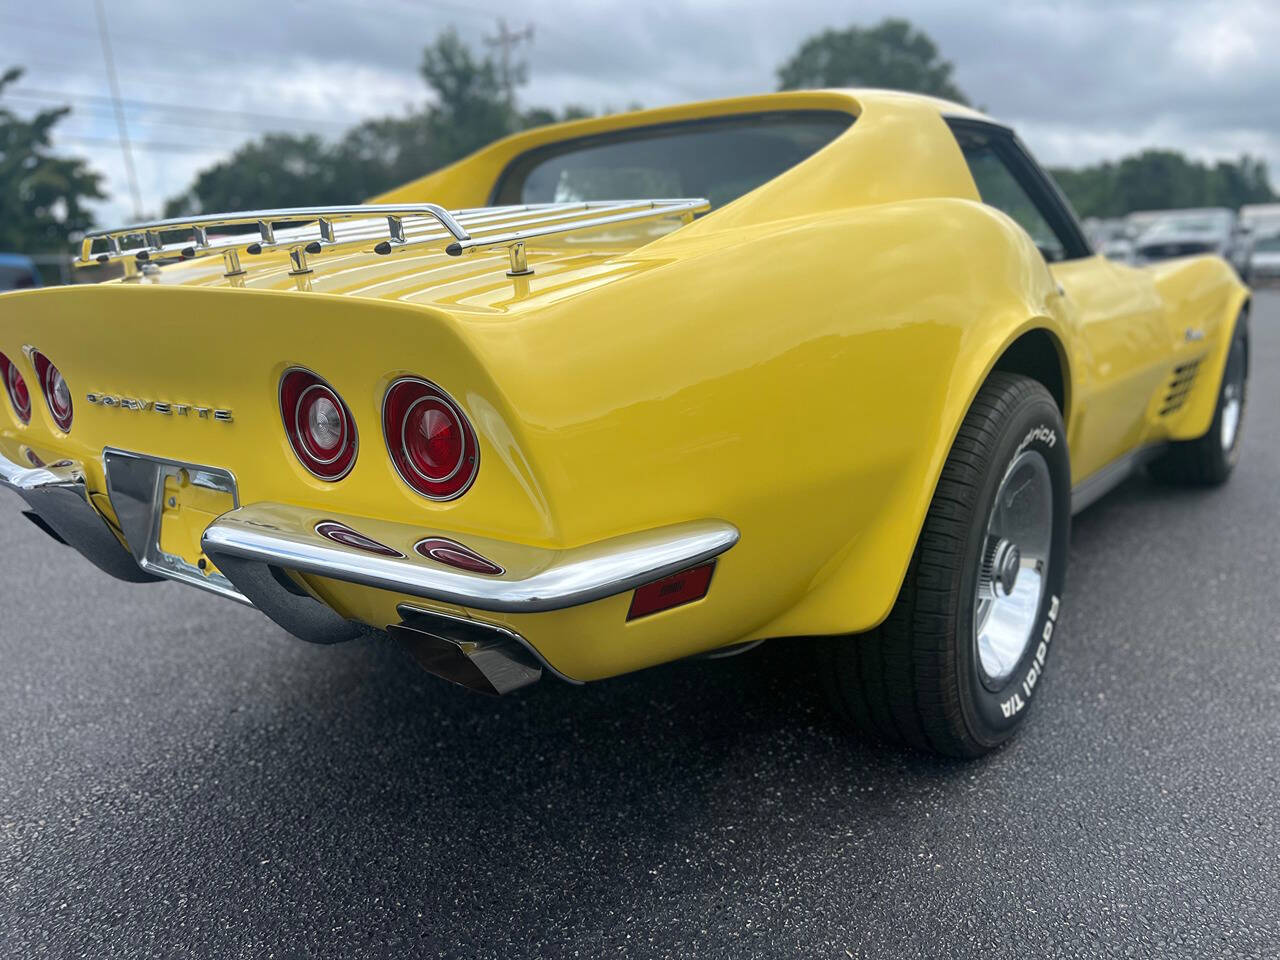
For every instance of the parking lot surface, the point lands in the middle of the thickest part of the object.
(180, 778)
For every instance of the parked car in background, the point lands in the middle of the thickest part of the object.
(17, 272)
(1113, 238)
(1140, 221)
(1265, 262)
(1184, 233)
(1261, 218)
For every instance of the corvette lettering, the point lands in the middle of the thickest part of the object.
(164, 408)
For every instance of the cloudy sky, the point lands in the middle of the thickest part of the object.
(1081, 81)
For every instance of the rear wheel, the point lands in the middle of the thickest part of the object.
(955, 665)
(1209, 460)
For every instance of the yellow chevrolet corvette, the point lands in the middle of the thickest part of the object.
(833, 365)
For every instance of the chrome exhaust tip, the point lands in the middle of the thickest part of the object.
(483, 657)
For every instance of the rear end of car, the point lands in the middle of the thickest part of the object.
(336, 463)
(394, 415)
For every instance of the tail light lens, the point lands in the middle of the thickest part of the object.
(320, 428)
(429, 438)
(57, 395)
(19, 395)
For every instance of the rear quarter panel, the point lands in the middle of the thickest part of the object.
(802, 380)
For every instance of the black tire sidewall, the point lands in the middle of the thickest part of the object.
(1232, 456)
(993, 716)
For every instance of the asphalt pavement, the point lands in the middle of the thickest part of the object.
(179, 778)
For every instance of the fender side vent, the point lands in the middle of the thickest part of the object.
(1184, 376)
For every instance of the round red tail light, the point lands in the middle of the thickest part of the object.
(320, 428)
(429, 438)
(16, 387)
(57, 395)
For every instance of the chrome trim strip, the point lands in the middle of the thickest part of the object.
(535, 579)
(1105, 479)
(59, 496)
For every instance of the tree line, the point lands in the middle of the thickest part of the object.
(43, 196)
(470, 108)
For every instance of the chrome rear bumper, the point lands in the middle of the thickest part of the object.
(528, 579)
(258, 546)
(57, 494)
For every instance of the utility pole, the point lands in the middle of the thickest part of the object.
(507, 40)
(114, 83)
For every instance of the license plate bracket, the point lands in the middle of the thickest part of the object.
(160, 504)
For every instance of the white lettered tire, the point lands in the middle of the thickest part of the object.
(960, 658)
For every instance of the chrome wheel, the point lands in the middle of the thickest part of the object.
(1015, 566)
(1232, 395)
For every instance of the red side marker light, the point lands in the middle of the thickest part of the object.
(454, 554)
(341, 533)
(673, 591)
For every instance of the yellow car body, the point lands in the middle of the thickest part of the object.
(792, 366)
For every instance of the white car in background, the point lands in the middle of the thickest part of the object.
(1140, 221)
(1262, 218)
(1112, 237)
(1265, 262)
(1184, 233)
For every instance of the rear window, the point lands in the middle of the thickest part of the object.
(719, 159)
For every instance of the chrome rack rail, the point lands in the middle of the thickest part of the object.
(379, 228)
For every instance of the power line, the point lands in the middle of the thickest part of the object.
(119, 110)
(199, 137)
(195, 127)
(144, 145)
(59, 96)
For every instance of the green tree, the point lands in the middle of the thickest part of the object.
(42, 197)
(471, 106)
(891, 54)
(280, 170)
(469, 109)
(1163, 180)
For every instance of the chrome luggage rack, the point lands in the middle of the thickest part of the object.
(380, 228)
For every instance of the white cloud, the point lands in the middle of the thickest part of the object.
(1082, 81)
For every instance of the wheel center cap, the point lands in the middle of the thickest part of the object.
(1005, 565)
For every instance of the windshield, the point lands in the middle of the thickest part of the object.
(719, 159)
